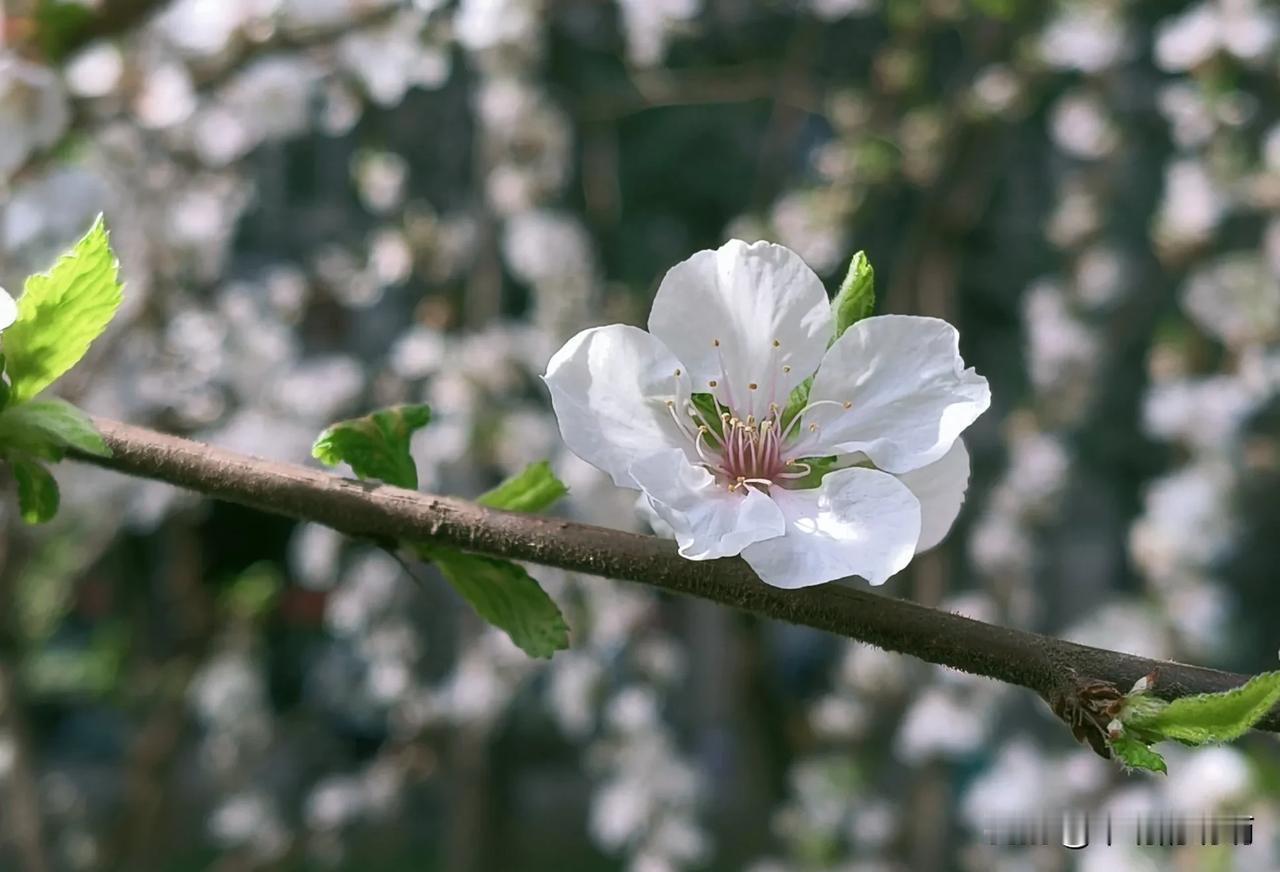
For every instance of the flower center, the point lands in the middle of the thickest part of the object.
(745, 451)
(750, 451)
(742, 452)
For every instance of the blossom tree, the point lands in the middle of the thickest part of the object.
(358, 232)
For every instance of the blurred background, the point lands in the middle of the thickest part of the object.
(323, 206)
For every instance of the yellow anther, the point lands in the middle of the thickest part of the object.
(715, 343)
(786, 368)
(712, 383)
(813, 428)
(752, 386)
(776, 343)
(848, 405)
(677, 372)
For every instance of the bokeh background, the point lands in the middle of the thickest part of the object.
(323, 206)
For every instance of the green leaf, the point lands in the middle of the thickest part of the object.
(532, 490)
(857, 296)
(1134, 754)
(60, 313)
(377, 445)
(37, 491)
(46, 428)
(796, 402)
(1003, 10)
(78, 669)
(5, 392)
(60, 24)
(705, 405)
(818, 467)
(1212, 717)
(254, 592)
(506, 596)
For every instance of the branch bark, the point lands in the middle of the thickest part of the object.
(1058, 670)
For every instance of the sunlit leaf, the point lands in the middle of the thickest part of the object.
(531, 490)
(376, 446)
(857, 296)
(60, 313)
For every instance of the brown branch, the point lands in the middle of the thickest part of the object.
(1057, 670)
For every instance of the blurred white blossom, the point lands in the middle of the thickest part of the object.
(33, 111)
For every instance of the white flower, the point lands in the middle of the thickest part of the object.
(746, 324)
(8, 310)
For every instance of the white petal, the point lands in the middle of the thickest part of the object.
(708, 520)
(747, 297)
(857, 522)
(910, 393)
(940, 488)
(609, 388)
(8, 309)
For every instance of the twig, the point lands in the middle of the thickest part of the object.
(1054, 668)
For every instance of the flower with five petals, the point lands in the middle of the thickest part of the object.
(694, 414)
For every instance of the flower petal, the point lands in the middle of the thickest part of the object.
(857, 522)
(8, 309)
(910, 393)
(940, 488)
(708, 520)
(609, 388)
(748, 297)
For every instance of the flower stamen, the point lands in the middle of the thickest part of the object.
(671, 409)
(749, 450)
(800, 414)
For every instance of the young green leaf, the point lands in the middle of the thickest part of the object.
(705, 404)
(46, 428)
(60, 313)
(531, 490)
(1212, 717)
(37, 491)
(857, 296)
(796, 402)
(1134, 754)
(506, 596)
(818, 467)
(375, 446)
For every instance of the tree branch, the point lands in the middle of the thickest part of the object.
(1058, 670)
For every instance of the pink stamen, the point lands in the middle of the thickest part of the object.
(744, 452)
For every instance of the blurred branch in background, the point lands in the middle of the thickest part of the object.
(1055, 669)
